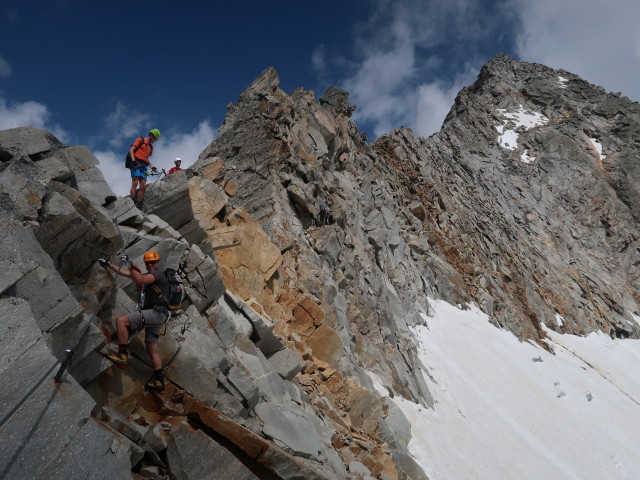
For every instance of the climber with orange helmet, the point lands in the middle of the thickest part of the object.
(151, 312)
(138, 162)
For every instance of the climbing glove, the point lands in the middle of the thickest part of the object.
(125, 259)
(104, 263)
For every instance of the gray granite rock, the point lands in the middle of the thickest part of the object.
(26, 140)
(74, 232)
(192, 455)
(170, 200)
(524, 231)
(203, 287)
(262, 329)
(286, 363)
(291, 428)
(41, 416)
(228, 321)
(93, 453)
(201, 357)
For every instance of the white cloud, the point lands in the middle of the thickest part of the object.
(187, 146)
(415, 55)
(597, 40)
(434, 103)
(318, 59)
(124, 123)
(403, 77)
(389, 93)
(5, 68)
(112, 166)
(378, 88)
(22, 114)
(13, 115)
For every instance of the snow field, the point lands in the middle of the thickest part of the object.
(511, 410)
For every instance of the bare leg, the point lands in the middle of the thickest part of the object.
(122, 326)
(134, 186)
(154, 355)
(142, 186)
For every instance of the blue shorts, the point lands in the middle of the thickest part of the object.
(139, 172)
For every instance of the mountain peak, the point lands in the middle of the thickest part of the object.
(310, 258)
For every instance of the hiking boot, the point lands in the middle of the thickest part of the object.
(156, 383)
(119, 358)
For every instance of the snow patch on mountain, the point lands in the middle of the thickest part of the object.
(500, 415)
(598, 147)
(514, 121)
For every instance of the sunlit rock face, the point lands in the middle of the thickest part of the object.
(531, 190)
(309, 258)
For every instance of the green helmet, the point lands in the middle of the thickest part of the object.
(155, 132)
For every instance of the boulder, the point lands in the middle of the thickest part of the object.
(169, 199)
(203, 285)
(326, 344)
(200, 359)
(291, 428)
(287, 363)
(192, 455)
(28, 140)
(262, 329)
(20, 183)
(255, 251)
(228, 321)
(62, 424)
(74, 233)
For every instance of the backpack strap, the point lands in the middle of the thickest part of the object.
(159, 291)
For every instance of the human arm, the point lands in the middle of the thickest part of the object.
(135, 146)
(128, 270)
(142, 278)
(148, 161)
(122, 270)
(132, 150)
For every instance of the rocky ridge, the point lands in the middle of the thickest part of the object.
(543, 230)
(287, 320)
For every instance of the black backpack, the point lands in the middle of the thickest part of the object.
(174, 300)
(172, 297)
(130, 162)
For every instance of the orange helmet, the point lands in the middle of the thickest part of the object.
(151, 256)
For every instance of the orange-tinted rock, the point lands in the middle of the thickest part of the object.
(326, 344)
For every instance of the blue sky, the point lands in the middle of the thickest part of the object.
(102, 73)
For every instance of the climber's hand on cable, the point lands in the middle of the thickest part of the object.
(125, 259)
